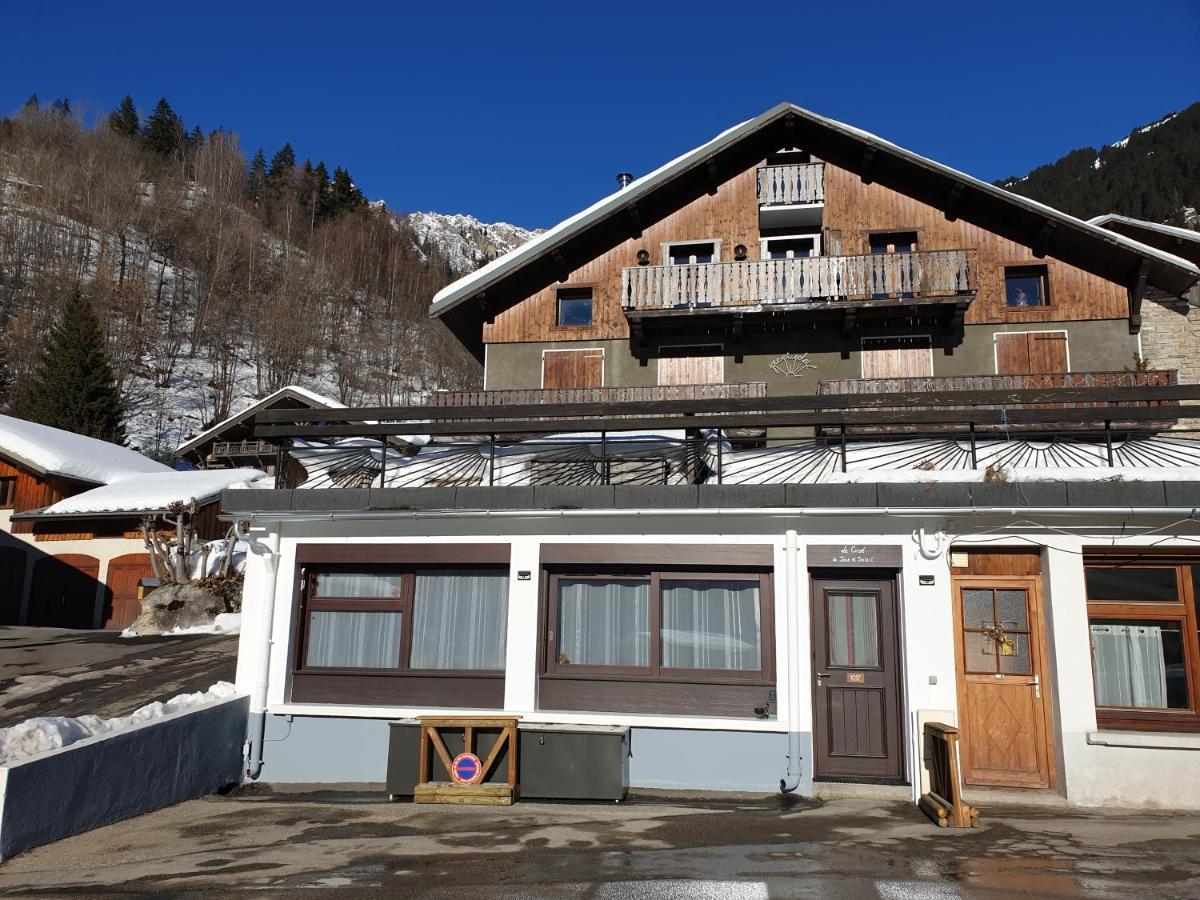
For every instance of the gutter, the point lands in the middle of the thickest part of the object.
(1183, 512)
(256, 725)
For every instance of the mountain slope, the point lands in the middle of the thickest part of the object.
(1153, 173)
(463, 240)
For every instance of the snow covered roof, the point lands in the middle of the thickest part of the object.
(293, 391)
(52, 451)
(1171, 267)
(152, 492)
(1172, 230)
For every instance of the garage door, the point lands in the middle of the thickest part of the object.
(64, 591)
(121, 604)
(12, 584)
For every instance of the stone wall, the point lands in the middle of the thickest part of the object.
(1171, 338)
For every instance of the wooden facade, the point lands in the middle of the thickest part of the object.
(33, 491)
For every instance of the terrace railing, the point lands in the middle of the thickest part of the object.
(791, 185)
(1040, 381)
(600, 394)
(769, 283)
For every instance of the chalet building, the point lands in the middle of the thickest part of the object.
(71, 548)
(794, 455)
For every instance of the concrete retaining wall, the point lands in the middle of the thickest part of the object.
(112, 777)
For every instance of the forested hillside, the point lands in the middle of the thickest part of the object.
(215, 278)
(1154, 174)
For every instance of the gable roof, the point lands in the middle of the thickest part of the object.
(304, 396)
(152, 492)
(1182, 242)
(550, 256)
(53, 451)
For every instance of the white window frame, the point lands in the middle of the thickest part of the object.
(815, 238)
(667, 245)
(996, 335)
(862, 349)
(603, 364)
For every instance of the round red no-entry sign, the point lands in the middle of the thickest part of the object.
(466, 769)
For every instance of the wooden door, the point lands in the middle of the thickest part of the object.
(1031, 352)
(899, 357)
(691, 370)
(1003, 695)
(857, 730)
(12, 584)
(64, 591)
(572, 368)
(122, 605)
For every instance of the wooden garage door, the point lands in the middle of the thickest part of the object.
(64, 591)
(1031, 352)
(691, 370)
(12, 583)
(121, 604)
(898, 357)
(572, 369)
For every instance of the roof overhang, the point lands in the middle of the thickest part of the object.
(467, 304)
(22, 463)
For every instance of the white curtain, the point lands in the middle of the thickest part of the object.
(853, 630)
(358, 584)
(604, 623)
(354, 640)
(460, 620)
(710, 625)
(1129, 666)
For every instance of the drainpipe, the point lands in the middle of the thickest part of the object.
(791, 602)
(256, 726)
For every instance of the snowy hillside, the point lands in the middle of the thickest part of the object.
(465, 241)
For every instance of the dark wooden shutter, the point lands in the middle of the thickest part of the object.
(572, 369)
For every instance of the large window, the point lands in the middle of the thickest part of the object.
(1142, 618)
(419, 620)
(658, 624)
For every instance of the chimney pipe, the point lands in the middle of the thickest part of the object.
(624, 178)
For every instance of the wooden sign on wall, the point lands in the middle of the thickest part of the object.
(878, 556)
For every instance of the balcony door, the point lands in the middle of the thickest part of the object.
(582, 368)
(1031, 353)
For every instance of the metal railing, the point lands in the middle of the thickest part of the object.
(772, 283)
(791, 185)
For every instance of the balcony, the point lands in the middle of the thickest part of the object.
(790, 196)
(1040, 381)
(650, 394)
(766, 285)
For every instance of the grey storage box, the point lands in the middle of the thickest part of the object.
(574, 762)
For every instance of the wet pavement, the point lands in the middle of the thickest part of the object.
(354, 843)
(64, 672)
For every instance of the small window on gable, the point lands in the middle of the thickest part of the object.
(893, 242)
(692, 252)
(575, 307)
(1025, 286)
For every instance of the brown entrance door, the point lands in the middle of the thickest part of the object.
(64, 591)
(1002, 691)
(856, 683)
(122, 604)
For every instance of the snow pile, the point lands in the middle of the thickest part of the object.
(155, 491)
(59, 452)
(224, 623)
(45, 733)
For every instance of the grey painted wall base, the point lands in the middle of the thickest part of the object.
(319, 750)
(106, 779)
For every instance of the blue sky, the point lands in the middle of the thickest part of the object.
(527, 113)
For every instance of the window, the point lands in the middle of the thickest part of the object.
(691, 626)
(791, 247)
(692, 252)
(8, 491)
(1025, 286)
(1142, 619)
(574, 307)
(893, 242)
(422, 619)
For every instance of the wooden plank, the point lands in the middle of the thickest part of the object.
(463, 721)
(464, 794)
(439, 746)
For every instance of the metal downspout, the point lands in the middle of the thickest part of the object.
(791, 779)
(256, 725)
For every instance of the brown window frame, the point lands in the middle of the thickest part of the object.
(655, 671)
(575, 292)
(1182, 610)
(1027, 269)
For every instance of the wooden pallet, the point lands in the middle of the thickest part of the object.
(452, 791)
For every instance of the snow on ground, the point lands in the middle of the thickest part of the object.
(59, 452)
(47, 733)
(224, 623)
(464, 240)
(155, 491)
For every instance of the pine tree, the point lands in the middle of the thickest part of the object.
(32, 105)
(321, 177)
(73, 386)
(344, 196)
(164, 129)
(256, 178)
(196, 139)
(61, 107)
(283, 165)
(124, 120)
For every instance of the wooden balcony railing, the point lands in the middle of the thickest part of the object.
(1148, 377)
(802, 281)
(600, 394)
(791, 185)
(231, 449)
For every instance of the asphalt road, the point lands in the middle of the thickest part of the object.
(62, 672)
(271, 844)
